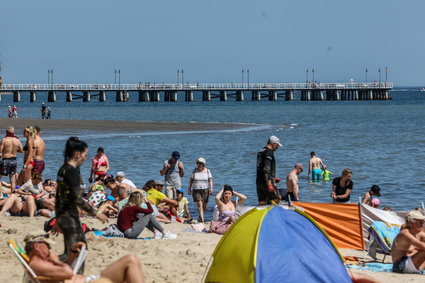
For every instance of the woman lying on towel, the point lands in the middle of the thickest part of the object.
(133, 219)
(226, 209)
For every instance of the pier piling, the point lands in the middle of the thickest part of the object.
(16, 96)
(51, 96)
(86, 96)
(33, 96)
(102, 96)
(69, 96)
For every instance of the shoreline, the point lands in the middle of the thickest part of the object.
(121, 126)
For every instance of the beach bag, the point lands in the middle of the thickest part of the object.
(113, 231)
(219, 227)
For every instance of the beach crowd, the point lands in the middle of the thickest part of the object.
(136, 208)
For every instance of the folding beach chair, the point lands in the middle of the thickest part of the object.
(30, 275)
(383, 237)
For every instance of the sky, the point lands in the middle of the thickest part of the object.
(85, 41)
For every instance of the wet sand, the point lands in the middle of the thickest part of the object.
(117, 126)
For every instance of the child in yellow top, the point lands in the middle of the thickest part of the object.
(326, 174)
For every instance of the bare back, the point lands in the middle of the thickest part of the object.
(407, 244)
(315, 163)
(39, 148)
(10, 146)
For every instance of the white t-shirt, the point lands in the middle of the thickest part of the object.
(200, 179)
(28, 186)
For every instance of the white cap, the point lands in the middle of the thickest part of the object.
(120, 174)
(201, 160)
(414, 214)
(274, 139)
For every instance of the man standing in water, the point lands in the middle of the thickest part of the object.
(9, 146)
(314, 167)
(408, 250)
(292, 190)
(266, 172)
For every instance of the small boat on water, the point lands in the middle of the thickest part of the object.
(422, 89)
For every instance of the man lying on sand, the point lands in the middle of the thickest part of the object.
(45, 262)
(408, 251)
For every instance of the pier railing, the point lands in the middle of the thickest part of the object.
(195, 86)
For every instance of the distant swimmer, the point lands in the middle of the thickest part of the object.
(314, 167)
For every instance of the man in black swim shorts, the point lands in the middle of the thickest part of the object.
(10, 145)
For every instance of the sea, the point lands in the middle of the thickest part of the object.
(382, 142)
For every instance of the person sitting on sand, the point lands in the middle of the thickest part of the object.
(183, 206)
(157, 197)
(374, 191)
(408, 250)
(19, 205)
(111, 184)
(133, 219)
(226, 209)
(45, 262)
(107, 207)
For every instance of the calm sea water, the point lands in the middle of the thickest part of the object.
(383, 142)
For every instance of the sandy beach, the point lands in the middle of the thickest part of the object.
(118, 126)
(184, 259)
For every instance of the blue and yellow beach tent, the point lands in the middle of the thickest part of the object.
(276, 245)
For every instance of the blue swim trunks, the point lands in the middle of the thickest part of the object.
(315, 174)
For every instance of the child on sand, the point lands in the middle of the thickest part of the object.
(183, 206)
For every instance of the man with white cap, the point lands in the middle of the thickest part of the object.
(266, 172)
(120, 177)
(408, 250)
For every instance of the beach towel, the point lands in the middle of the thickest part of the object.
(100, 234)
(196, 228)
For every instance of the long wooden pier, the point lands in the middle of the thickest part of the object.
(148, 92)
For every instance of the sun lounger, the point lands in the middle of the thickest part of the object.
(30, 275)
(383, 237)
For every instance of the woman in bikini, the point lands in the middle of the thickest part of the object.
(25, 175)
(100, 165)
(226, 209)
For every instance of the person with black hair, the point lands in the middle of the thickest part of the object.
(226, 209)
(69, 196)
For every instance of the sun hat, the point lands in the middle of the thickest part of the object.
(100, 188)
(120, 174)
(274, 139)
(38, 236)
(175, 155)
(376, 190)
(414, 214)
(201, 160)
(375, 202)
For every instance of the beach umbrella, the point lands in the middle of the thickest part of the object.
(275, 244)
